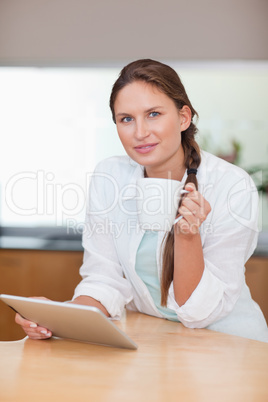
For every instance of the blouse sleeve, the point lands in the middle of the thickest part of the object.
(102, 275)
(229, 237)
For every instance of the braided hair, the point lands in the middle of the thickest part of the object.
(167, 81)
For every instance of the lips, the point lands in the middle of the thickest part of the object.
(145, 148)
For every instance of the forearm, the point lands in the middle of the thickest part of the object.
(89, 301)
(188, 265)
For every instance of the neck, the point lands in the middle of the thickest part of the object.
(176, 174)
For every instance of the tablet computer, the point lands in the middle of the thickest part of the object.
(72, 321)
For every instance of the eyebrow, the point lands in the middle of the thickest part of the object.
(146, 111)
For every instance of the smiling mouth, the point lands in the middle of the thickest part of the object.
(145, 148)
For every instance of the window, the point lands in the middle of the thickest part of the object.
(56, 125)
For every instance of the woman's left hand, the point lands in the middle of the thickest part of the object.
(194, 209)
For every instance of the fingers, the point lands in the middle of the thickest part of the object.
(194, 209)
(31, 329)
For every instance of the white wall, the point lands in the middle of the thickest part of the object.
(82, 32)
(113, 32)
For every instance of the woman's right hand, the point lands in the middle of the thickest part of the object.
(31, 329)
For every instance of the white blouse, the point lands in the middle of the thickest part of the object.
(111, 238)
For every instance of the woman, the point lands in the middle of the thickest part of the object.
(195, 273)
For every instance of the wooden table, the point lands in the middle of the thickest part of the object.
(172, 363)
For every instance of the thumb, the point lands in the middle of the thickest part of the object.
(190, 187)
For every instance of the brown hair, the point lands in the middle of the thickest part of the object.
(168, 82)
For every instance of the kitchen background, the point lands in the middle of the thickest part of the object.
(57, 125)
(58, 60)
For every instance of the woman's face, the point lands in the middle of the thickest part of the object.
(149, 126)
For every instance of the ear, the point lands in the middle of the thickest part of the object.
(186, 117)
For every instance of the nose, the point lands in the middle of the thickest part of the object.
(141, 129)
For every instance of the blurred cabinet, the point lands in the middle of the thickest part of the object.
(257, 280)
(53, 274)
